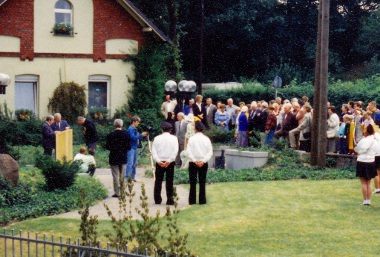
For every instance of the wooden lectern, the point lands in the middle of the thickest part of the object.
(64, 145)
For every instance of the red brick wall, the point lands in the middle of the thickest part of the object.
(17, 17)
(112, 21)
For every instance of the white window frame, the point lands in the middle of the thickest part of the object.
(70, 11)
(30, 79)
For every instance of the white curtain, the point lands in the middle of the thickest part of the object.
(25, 95)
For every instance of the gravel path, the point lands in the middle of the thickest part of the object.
(104, 175)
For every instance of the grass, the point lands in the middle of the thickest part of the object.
(266, 218)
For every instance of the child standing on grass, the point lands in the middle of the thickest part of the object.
(367, 149)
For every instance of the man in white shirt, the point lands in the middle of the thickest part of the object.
(167, 108)
(231, 109)
(199, 151)
(164, 151)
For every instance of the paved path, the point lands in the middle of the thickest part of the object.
(104, 175)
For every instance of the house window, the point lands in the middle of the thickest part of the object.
(63, 18)
(26, 93)
(98, 92)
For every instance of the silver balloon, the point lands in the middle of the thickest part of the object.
(170, 86)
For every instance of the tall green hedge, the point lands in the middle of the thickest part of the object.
(152, 66)
(339, 92)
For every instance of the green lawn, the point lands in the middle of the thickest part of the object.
(279, 218)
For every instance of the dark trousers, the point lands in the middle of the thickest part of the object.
(91, 170)
(343, 145)
(200, 173)
(160, 172)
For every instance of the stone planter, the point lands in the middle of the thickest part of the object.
(238, 160)
(217, 153)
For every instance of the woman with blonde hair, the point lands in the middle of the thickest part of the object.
(199, 109)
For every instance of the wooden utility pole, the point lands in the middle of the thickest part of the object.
(201, 47)
(318, 139)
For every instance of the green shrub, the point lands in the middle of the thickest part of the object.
(9, 196)
(339, 92)
(57, 175)
(24, 114)
(99, 115)
(21, 133)
(29, 200)
(69, 99)
(103, 131)
(218, 135)
(218, 176)
(152, 67)
(282, 165)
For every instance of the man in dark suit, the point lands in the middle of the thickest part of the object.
(118, 144)
(180, 132)
(89, 131)
(254, 119)
(59, 124)
(256, 123)
(263, 120)
(210, 112)
(289, 122)
(48, 136)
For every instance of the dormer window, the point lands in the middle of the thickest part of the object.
(63, 13)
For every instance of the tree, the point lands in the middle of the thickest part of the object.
(69, 99)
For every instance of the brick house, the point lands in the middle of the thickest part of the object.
(44, 42)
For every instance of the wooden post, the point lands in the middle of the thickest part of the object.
(201, 46)
(319, 140)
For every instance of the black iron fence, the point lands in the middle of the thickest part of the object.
(27, 245)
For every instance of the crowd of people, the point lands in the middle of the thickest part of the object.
(355, 131)
(265, 121)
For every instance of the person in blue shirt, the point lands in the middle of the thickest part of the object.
(134, 136)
